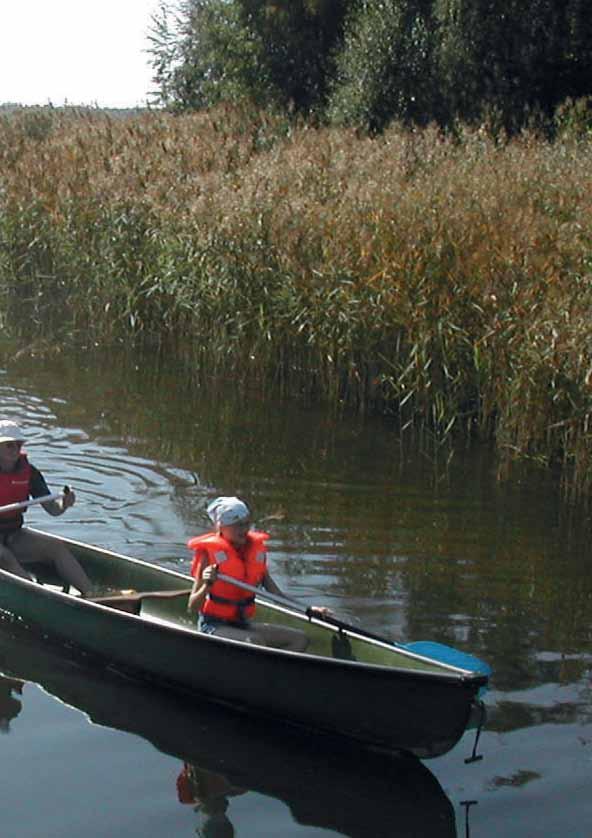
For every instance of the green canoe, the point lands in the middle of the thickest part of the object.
(346, 684)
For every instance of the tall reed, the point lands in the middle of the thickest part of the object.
(445, 279)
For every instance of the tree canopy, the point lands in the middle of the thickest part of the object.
(367, 62)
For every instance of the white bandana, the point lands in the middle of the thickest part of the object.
(223, 512)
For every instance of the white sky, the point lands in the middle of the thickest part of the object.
(83, 52)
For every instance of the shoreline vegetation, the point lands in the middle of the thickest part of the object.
(441, 277)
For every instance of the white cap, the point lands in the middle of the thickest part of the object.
(10, 432)
(224, 512)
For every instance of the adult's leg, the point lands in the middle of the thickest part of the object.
(8, 561)
(34, 547)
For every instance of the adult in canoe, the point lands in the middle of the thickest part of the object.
(20, 480)
(225, 609)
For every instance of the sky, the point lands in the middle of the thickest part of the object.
(76, 52)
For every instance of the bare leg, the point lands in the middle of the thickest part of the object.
(33, 547)
(9, 562)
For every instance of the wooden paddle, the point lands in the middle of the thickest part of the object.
(427, 648)
(140, 595)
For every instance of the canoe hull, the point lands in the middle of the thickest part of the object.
(394, 709)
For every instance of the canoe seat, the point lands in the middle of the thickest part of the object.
(46, 574)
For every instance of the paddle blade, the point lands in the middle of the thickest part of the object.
(446, 654)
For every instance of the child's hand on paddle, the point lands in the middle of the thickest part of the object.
(209, 574)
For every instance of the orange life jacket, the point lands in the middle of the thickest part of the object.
(226, 601)
(15, 487)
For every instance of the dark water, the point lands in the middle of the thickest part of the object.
(384, 536)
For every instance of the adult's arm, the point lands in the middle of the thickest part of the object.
(39, 489)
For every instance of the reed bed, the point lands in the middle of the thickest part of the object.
(444, 279)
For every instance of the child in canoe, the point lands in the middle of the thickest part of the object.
(226, 610)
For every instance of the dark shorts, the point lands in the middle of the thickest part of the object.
(209, 625)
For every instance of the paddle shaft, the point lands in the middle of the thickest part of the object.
(23, 504)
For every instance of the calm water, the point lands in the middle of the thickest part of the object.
(385, 537)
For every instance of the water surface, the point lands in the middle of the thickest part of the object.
(381, 533)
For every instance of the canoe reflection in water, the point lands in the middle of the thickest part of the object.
(223, 754)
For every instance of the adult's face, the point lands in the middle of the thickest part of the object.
(9, 454)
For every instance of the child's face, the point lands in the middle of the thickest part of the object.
(236, 533)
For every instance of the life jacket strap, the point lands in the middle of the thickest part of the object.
(240, 603)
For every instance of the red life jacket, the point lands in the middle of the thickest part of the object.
(15, 487)
(226, 601)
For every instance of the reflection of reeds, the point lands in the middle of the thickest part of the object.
(446, 279)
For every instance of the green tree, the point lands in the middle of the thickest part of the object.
(384, 70)
(297, 38)
(367, 62)
(272, 51)
(203, 54)
(512, 56)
